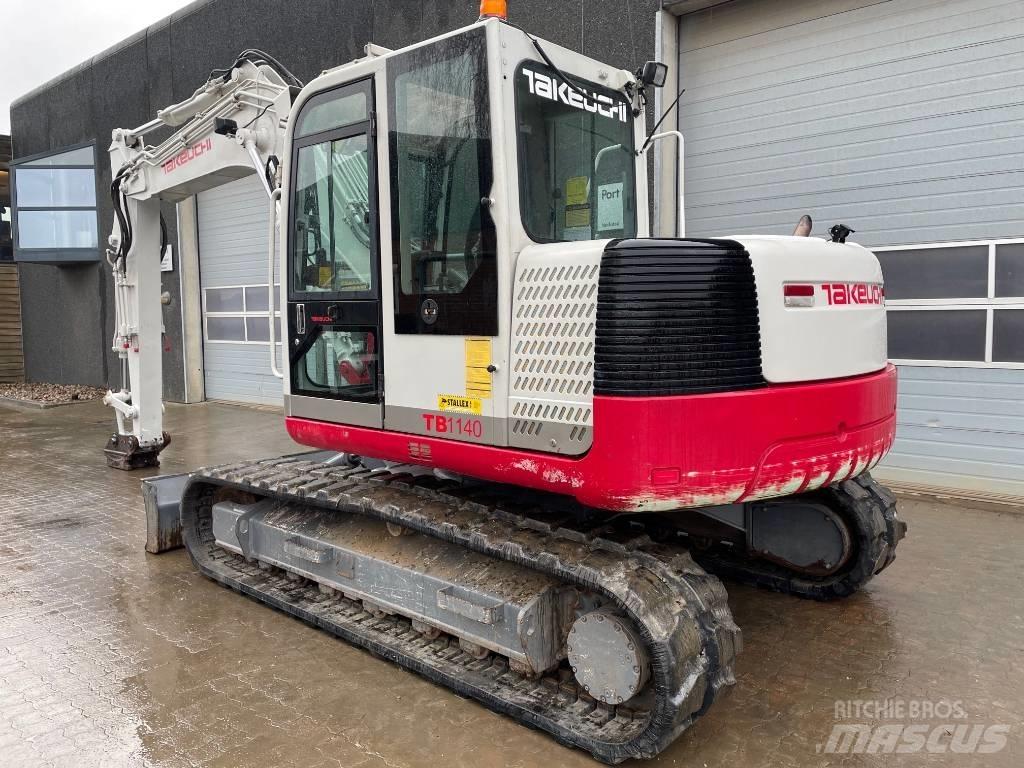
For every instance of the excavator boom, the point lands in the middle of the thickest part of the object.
(229, 128)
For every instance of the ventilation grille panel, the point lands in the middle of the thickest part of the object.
(676, 317)
(552, 376)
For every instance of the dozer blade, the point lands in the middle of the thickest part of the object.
(631, 641)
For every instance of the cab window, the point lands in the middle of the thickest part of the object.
(577, 166)
(332, 219)
(444, 247)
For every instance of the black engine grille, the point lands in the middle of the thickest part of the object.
(676, 317)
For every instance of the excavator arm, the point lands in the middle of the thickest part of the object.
(232, 126)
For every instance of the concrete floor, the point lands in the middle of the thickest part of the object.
(111, 656)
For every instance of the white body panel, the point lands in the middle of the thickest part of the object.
(422, 372)
(370, 66)
(420, 368)
(826, 340)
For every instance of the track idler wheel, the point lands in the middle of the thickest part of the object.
(867, 529)
(607, 656)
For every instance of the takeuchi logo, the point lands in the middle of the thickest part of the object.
(547, 87)
(188, 154)
(854, 293)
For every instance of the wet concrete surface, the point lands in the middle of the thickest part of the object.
(111, 656)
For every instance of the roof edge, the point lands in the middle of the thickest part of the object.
(131, 40)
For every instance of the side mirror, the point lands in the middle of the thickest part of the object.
(653, 73)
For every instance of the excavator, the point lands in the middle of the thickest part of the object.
(541, 433)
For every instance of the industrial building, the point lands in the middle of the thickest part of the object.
(900, 119)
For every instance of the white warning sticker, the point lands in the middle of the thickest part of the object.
(610, 206)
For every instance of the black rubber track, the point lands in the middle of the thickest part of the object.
(680, 611)
(869, 510)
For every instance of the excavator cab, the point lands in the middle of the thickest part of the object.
(414, 179)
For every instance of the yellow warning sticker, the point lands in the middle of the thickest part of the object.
(478, 353)
(576, 190)
(478, 360)
(577, 216)
(459, 404)
(324, 276)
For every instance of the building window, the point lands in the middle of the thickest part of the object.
(956, 304)
(54, 201)
(238, 314)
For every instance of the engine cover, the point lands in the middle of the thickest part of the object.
(834, 324)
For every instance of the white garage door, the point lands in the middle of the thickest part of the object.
(233, 278)
(903, 120)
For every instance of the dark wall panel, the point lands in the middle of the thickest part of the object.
(395, 23)
(30, 125)
(60, 324)
(159, 71)
(71, 110)
(41, 336)
(559, 22)
(210, 36)
(440, 16)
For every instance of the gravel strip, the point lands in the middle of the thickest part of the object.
(50, 394)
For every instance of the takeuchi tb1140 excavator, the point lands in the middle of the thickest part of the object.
(551, 431)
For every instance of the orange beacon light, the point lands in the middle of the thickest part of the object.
(494, 8)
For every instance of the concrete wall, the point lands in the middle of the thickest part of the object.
(68, 311)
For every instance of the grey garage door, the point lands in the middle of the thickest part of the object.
(233, 278)
(903, 120)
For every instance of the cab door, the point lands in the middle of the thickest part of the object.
(334, 295)
(443, 314)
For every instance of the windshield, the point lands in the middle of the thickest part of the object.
(577, 173)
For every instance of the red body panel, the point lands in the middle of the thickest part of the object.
(661, 453)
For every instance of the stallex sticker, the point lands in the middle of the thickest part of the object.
(459, 404)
